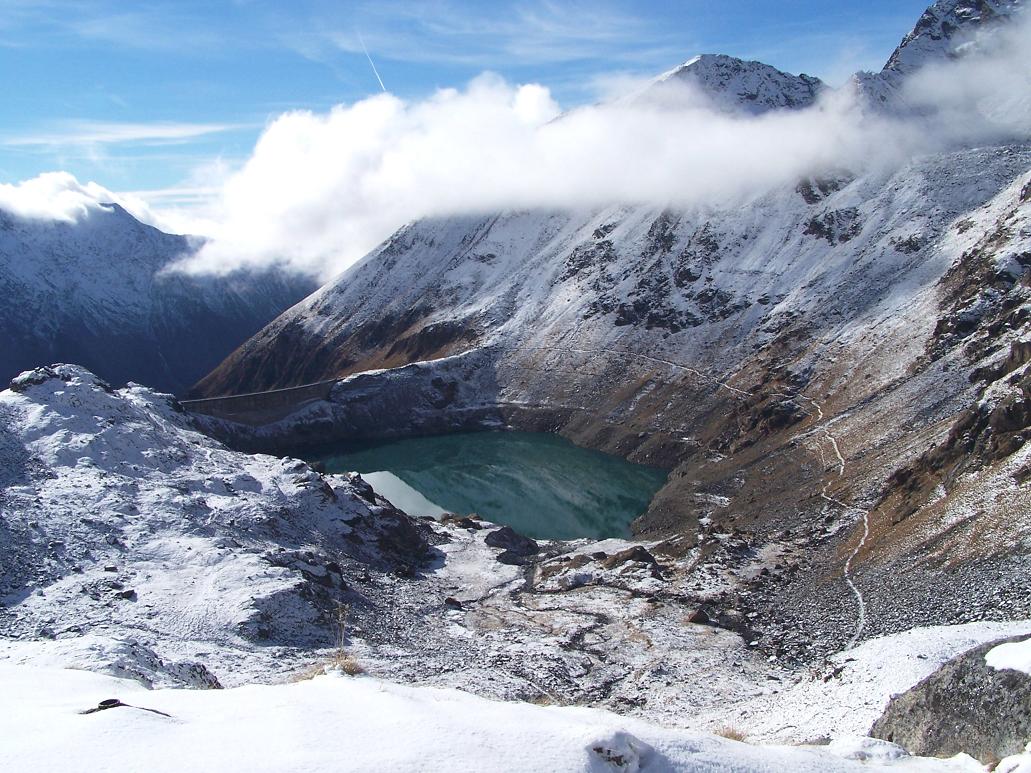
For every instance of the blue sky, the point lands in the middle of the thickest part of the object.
(146, 96)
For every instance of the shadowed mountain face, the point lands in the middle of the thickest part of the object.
(93, 292)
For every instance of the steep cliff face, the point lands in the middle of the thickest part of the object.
(94, 291)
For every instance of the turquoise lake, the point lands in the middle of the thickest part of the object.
(541, 485)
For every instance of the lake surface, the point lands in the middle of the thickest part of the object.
(541, 485)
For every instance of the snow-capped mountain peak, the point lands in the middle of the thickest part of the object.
(737, 86)
(945, 28)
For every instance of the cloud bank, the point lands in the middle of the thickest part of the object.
(59, 196)
(322, 189)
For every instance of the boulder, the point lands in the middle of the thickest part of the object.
(510, 541)
(965, 706)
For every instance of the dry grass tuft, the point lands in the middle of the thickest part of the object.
(730, 732)
(341, 660)
(345, 662)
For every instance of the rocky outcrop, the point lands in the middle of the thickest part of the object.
(944, 28)
(116, 514)
(964, 707)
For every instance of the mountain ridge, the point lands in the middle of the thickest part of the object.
(98, 290)
(733, 85)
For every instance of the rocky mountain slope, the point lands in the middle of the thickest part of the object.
(838, 366)
(946, 28)
(139, 548)
(118, 519)
(94, 292)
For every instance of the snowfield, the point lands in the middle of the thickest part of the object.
(334, 723)
(120, 521)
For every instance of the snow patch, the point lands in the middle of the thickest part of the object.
(1014, 655)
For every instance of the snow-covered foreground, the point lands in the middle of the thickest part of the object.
(854, 686)
(335, 723)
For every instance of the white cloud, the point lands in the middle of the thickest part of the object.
(984, 94)
(59, 196)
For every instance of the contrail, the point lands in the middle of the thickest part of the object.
(371, 63)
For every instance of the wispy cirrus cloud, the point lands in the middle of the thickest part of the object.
(145, 26)
(147, 29)
(93, 133)
(487, 35)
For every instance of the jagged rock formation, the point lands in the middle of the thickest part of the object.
(943, 32)
(94, 292)
(945, 28)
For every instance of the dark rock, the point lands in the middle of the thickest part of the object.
(699, 617)
(637, 554)
(512, 558)
(965, 706)
(107, 703)
(362, 487)
(732, 620)
(837, 226)
(816, 189)
(128, 594)
(462, 521)
(512, 542)
(114, 703)
(908, 245)
(452, 603)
